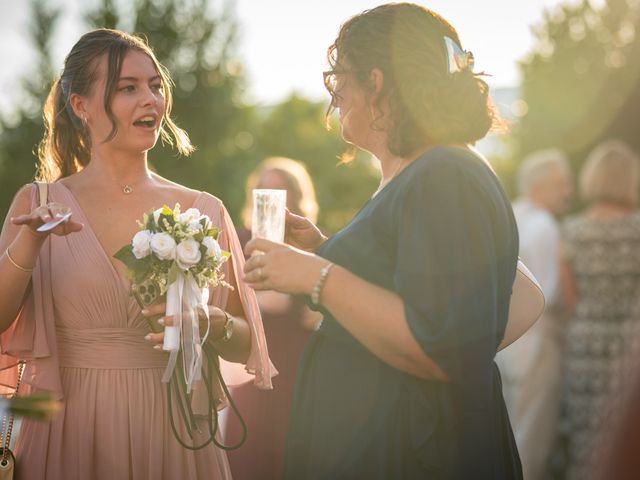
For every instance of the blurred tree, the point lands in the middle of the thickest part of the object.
(105, 15)
(22, 129)
(581, 83)
(294, 129)
(197, 44)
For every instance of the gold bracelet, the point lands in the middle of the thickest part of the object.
(26, 270)
(227, 329)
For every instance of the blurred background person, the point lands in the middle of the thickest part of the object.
(603, 280)
(531, 366)
(287, 322)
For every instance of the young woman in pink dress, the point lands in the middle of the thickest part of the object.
(65, 303)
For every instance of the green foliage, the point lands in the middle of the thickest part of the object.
(21, 130)
(197, 44)
(581, 82)
(295, 129)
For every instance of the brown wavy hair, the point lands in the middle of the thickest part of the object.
(428, 105)
(66, 146)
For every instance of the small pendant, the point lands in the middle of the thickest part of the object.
(126, 189)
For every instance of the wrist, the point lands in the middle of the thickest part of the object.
(28, 237)
(318, 287)
(23, 251)
(226, 331)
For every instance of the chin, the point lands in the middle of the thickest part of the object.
(346, 134)
(146, 144)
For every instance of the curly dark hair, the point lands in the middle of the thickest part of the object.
(428, 105)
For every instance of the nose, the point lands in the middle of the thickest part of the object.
(149, 97)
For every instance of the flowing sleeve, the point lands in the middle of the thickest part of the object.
(31, 337)
(258, 368)
(447, 268)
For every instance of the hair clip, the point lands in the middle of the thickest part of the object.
(457, 59)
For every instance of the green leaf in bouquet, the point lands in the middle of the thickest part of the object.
(126, 256)
(150, 222)
(166, 221)
(140, 276)
(206, 223)
(213, 232)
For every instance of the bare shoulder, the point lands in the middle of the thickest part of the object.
(180, 191)
(185, 195)
(212, 199)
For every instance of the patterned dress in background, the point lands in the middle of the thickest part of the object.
(602, 339)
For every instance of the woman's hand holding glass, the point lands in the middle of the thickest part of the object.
(281, 267)
(301, 233)
(51, 218)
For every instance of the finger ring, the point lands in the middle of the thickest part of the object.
(260, 276)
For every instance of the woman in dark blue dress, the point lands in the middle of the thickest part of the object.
(399, 380)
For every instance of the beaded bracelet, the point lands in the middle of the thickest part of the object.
(13, 262)
(317, 289)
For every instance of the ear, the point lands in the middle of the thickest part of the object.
(376, 82)
(376, 95)
(79, 105)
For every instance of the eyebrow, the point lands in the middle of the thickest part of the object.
(135, 79)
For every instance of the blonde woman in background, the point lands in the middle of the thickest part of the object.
(288, 322)
(602, 280)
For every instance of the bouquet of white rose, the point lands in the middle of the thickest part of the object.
(178, 254)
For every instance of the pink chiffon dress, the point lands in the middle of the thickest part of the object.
(82, 336)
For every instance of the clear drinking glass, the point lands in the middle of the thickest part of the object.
(268, 214)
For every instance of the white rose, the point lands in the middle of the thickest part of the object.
(194, 226)
(188, 254)
(163, 245)
(213, 248)
(141, 244)
(191, 215)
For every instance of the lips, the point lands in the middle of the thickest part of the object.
(147, 121)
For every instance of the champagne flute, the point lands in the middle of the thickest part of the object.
(268, 214)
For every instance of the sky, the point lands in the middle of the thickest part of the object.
(283, 43)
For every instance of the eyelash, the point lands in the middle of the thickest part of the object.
(130, 88)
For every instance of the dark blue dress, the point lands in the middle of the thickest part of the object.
(442, 235)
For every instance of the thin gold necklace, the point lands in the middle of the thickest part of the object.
(384, 183)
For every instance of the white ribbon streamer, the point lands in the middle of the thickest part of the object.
(184, 300)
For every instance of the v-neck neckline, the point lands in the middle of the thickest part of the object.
(89, 228)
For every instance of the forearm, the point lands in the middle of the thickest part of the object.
(375, 316)
(15, 281)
